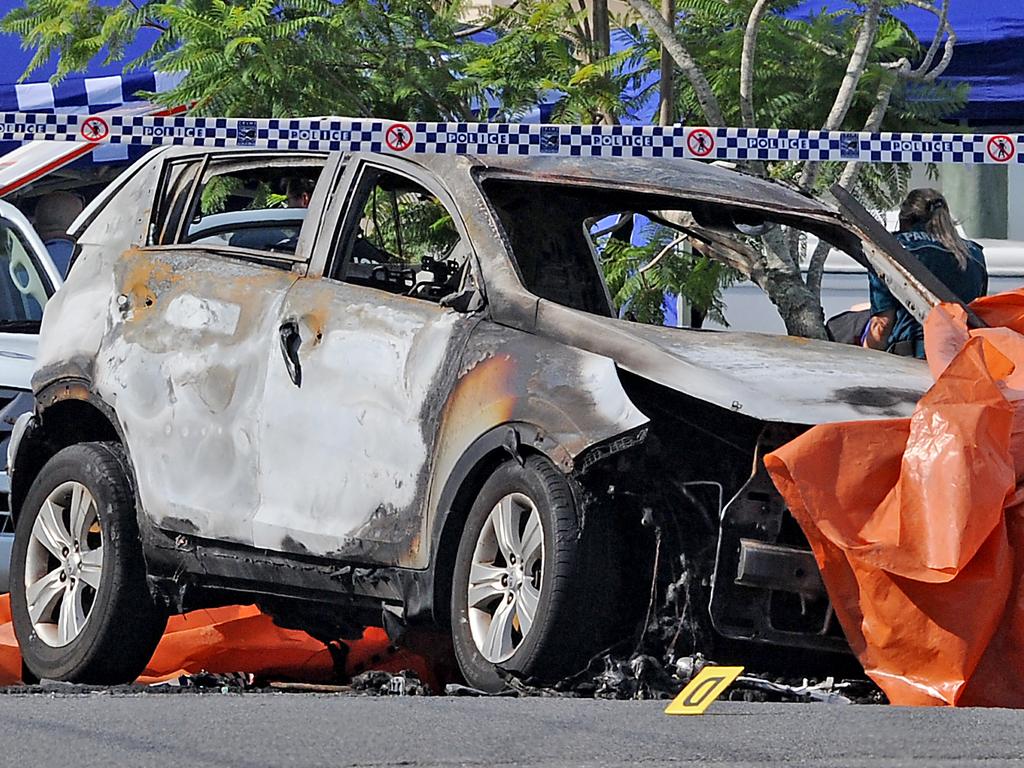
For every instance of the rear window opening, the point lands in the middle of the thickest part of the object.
(255, 204)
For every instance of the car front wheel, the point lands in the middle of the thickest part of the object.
(81, 608)
(529, 594)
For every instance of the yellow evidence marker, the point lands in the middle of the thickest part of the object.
(706, 686)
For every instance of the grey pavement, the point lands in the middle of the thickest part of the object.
(238, 731)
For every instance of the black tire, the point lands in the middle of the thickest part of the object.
(579, 587)
(124, 624)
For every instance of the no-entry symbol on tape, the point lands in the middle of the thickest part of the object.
(700, 142)
(94, 129)
(399, 137)
(1000, 148)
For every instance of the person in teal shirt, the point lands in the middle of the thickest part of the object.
(928, 232)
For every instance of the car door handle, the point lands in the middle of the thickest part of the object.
(291, 339)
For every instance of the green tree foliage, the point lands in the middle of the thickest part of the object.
(409, 226)
(800, 65)
(263, 57)
(399, 59)
(541, 52)
(639, 276)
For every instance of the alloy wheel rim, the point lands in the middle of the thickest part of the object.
(63, 564)
(505, 577)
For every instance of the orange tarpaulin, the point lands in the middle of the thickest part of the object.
(239, 639)
(917, 524)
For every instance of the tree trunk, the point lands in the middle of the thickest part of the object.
(602, 28)
(667, 111)
(686, 63)
(798, 307)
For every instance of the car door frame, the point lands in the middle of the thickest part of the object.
(339, 224)
(341, 221)
(291, 266)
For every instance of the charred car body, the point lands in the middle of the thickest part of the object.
(385, 421)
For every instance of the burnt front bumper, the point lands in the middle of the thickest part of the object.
(766, 586)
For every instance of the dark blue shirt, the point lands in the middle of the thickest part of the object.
(967, 284)
(60, 250)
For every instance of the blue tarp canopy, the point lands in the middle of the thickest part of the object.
(989, 54)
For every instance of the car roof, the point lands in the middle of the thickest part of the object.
(677, 177)
(670, 176)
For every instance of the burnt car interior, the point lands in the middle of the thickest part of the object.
(404, 242)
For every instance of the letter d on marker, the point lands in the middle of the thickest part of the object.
(708, 685)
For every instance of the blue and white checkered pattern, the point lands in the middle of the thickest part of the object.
(356, 135)
(769, 144)
(85, 96)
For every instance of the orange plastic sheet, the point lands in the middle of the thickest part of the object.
(240, 639)
(917, 524)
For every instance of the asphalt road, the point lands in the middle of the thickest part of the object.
(238, 731)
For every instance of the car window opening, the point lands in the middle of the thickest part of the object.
(257, 206)
(24, 288)
(565, 238)
(405, 241)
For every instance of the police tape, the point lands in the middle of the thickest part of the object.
(371, 135)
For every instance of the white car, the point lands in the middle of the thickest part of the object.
(28, 277)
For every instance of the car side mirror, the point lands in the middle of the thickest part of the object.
(469, 299)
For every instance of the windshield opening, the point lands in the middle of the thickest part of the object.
(646, 257)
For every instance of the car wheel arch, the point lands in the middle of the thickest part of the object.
(67, 413)
(512, 441)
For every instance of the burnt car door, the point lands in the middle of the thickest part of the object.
(367, 355)
(186, 345)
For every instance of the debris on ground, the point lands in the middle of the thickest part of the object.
(823, 691)
(379, 683)
(222, 682)
(925, 563)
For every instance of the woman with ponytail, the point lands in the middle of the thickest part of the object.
(928, 232)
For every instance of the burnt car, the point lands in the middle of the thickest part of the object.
(421, 411)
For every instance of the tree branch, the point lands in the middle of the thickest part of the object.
(816, 267)
(747, 63)
(924, 71)
(666, 86)
(848, 88)
(485, 25)
(686, 63)
(747, 114)
(855, 68)
(812, 43)
(661, 254)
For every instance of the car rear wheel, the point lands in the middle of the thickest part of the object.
(81, 608)
(530, 590)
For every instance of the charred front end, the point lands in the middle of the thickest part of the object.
(710, 550)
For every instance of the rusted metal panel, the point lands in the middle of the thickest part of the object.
(346, 456)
